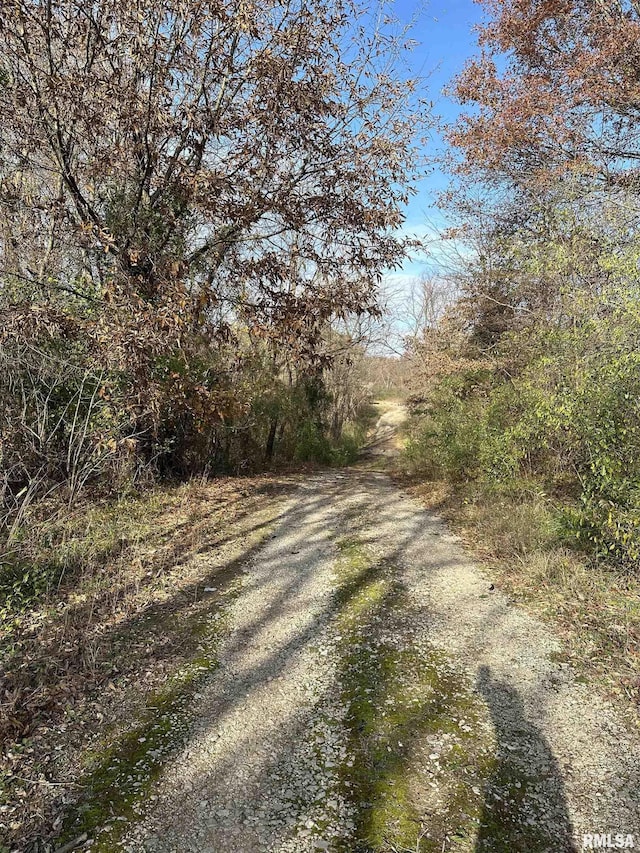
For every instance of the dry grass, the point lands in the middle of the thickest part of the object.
(593, 607)
(104, 617)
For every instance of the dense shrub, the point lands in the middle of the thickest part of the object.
(569, 419)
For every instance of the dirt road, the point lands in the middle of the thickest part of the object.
(385, 440)
(375, 694)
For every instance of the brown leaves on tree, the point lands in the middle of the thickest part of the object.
(206, 171)
(556, 92)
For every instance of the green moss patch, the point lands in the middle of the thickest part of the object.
(119, 779)
(432, 765)
(416, 758)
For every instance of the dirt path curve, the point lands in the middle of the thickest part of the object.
(374, 694)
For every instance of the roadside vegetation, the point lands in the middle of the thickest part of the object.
(526, 381)
(103, 654)
(197, 205)
(191, 258)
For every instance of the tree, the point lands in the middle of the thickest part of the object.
(549, 296)
(555, 93)
(231, 147)
(174, 177)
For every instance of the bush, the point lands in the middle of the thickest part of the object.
(569, 420)
(312, 445)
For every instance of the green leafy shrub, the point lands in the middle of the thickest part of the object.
(568, 420)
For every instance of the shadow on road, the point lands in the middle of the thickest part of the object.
(522, 812)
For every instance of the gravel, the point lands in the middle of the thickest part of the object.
(259, 772)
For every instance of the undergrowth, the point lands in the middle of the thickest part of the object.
(517, 526)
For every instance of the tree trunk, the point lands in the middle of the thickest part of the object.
(271, 440)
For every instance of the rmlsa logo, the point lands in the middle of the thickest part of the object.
(602, 842)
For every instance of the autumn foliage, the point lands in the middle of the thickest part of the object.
(556, 92)
(529, 384)
(191, 196)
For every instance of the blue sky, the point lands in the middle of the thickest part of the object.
(444, 30)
